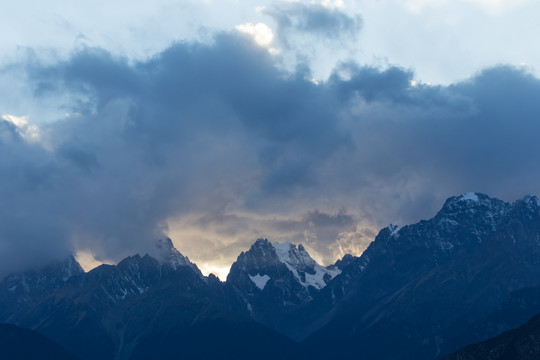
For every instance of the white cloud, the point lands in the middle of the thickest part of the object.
(19, 121)
(333, 4)
(497, 7)
(493, 7)
(262, 34)
(30, 132)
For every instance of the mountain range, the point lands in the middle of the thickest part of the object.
(420, 291)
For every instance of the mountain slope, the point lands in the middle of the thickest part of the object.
(428, 289)
(522, 343)
(421, 286)
(103, 313)
(124, 310)
(18, 343)
(21, 291)
(215, 339)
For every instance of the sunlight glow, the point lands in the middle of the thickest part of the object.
(87, 260)
(220, 272)
(29, 132)
(262, 34)
(337, 4)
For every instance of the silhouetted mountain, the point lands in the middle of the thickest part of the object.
(21, 291)
(104, 312)
(522, 343)
(23, 344)
(218, 339)
(417, 292)
(516, 309)
(113, 309)
(421, 286)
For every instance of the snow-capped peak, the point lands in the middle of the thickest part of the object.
(473, 203)
(470, 196)
(306, 270)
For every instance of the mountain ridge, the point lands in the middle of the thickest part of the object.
(429, 288)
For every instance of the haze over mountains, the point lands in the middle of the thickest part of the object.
(421, 291)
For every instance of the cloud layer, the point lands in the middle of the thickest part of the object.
(219, 140)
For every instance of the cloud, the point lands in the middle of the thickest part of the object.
(216, 143)
(28, 188)
(261, 33)
(494, 7)
(222, 236)
(325, 21)
(306, 32)
(29, 132)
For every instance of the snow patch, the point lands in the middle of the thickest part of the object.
(317, 280)
(298, 261)
(470, 196)
(394, 229)
(282, 251)
(260, 281)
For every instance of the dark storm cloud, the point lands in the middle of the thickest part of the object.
(217, 129)
(340, 220)
(372, 83)
(30, 228)
(476, 135)
(314, 19)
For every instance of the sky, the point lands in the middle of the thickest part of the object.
(219, 122)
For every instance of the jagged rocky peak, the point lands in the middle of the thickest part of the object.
(262, 248)
(42, 280)
(55, 271)
(166, 253)
(392, 230)
(265, 260)
(467, 219)
(530, 204)
(481, 211)
(472, 212)
(532, 200)
(70, 267)
(306, 270)
(474, 202)
(345, 261)
(297, 257)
